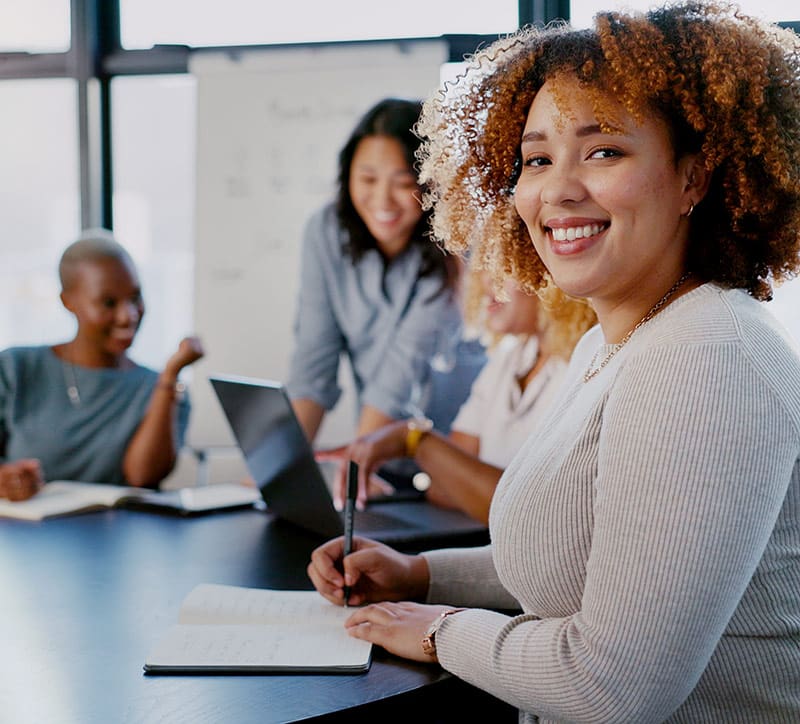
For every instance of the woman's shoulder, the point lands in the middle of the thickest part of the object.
(728, 331)
(514, 349)
(714, 315)
(323, 231)
(20, 363)
(24, 356)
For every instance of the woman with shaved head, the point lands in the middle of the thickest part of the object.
(83, 409)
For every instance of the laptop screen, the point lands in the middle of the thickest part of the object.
(277, 453)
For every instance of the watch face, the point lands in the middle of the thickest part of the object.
(429, 640)
(428, 645)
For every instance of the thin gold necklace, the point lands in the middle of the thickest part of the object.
(593, 371)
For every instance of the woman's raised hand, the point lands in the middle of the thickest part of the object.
(189, 350)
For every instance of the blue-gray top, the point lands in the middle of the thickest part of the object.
(83, 440)
(388, 320)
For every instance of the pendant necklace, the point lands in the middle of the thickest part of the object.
(71, 382)
(592, 371)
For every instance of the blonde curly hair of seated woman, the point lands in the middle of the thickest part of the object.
(563, 319)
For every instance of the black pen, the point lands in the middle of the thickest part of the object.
(349, 513)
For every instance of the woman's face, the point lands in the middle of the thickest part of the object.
(106, 300)
(519, 315)
(604, 210)
(385, 193)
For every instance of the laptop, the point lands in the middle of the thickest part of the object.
(281, 461)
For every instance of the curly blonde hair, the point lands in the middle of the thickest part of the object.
(562, 320)
(727, 85)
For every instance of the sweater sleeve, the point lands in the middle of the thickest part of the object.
(695, 454)
(318, 339)
(466, 577)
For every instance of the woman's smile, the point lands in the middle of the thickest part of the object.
(572, 236)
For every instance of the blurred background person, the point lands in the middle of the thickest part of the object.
(84, 410)
(373, 286)
(530, 339)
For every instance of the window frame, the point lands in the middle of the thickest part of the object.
(96, 56)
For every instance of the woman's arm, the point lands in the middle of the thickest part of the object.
(309, 415)
(152, 451)
(371, 419)
(318, 338)
(459, 479)
(687, 493)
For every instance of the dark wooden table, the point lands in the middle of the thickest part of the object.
(84, 598)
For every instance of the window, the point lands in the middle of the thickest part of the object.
(153, 152)
(772, 10)
(39, 204)
(149, 22)
(35, 26)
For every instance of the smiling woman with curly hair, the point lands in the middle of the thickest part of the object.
(649, 530)
(726, 86)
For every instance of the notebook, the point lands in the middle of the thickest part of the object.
(68, 497)
(234, 629)
(281, 462)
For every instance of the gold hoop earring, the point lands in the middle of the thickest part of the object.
(691, 208)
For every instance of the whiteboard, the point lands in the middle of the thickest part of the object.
(270, 124)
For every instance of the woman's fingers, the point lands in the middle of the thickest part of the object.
(327, 569)
(340, 485)
(398, 627)
(369, 561)
(333, 453)
(330, 591)
(324, 560)
(378, 486)
(21, 479)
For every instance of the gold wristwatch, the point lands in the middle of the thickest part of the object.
(416, 429)
(429, 639)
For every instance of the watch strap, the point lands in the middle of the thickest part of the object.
(416, 429)
(429, 639)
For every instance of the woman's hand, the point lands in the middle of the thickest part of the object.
(376, 485)
(21, 479)
(189, 350)
(397, 627)
(373, 571)
(370, 452)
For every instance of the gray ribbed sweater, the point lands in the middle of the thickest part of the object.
(650, 531)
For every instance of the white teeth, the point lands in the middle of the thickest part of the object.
(575, 232)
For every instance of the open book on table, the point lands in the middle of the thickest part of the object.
(237, 629)
(65, 497)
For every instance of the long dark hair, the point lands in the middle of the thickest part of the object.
(395, 118)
